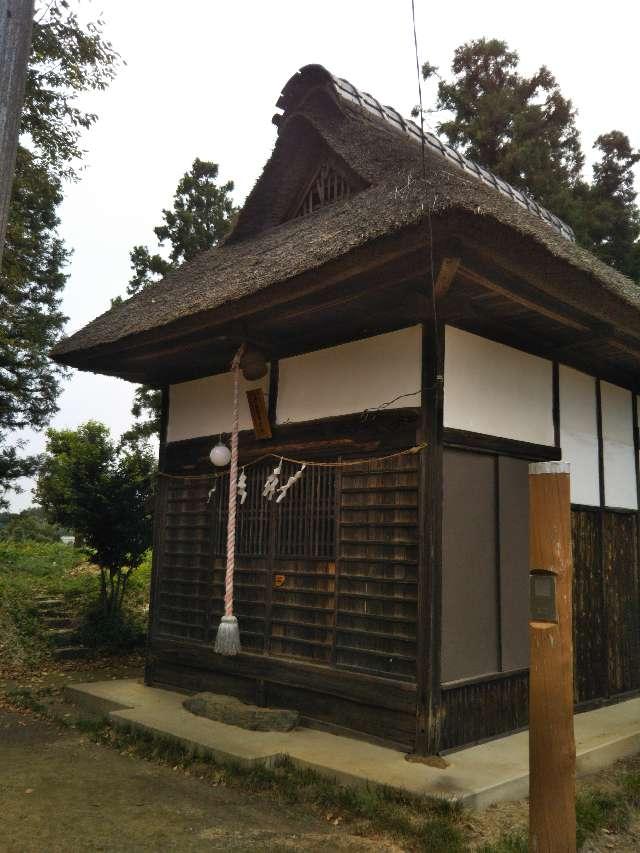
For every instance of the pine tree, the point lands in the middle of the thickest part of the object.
(614, 218)
(201, 216)
(524, 130)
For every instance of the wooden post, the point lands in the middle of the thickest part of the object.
(429, 621)
(16, 19)
(552, 754)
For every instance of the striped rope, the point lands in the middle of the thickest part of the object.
(233, 487)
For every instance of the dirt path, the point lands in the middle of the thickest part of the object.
(61, 792)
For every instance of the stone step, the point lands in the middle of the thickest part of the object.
(59, 622)
(61, 636)
(71, 652)
(54, 613)
(46, 601)
(235, 712)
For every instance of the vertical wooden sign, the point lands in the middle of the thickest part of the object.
(259, 416)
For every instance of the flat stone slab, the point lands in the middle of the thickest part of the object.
(476, 776)
(235, 712)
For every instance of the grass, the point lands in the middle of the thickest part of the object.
(630, 783)
(513, 842)
(597, 810)
(426, 824)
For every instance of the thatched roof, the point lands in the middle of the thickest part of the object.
(381, 152)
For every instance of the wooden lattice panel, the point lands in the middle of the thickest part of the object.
(378, 567)
(183, 601)
(328, 575)
(327, 187)
(303, 574)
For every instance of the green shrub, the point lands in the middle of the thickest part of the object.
(115, 633)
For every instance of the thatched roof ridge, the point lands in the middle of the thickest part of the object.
(348, 91)
(263, 250)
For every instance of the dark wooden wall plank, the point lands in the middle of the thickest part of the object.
(483, 709)
(621, 589)
(590, 677)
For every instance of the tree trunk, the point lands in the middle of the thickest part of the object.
(16, 20)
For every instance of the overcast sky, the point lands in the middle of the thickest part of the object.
(202, 78)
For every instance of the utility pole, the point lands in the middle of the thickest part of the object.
(16, 21)
(552, 752)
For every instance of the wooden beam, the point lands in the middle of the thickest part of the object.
(623, 347)
(446, 274)
(503, 446)
(160, 506)
(525, 301)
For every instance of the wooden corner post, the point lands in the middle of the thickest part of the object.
(429, 613)
(552, 753)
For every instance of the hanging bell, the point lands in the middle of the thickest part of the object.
(253, 364)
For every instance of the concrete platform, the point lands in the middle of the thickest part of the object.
(476, 776)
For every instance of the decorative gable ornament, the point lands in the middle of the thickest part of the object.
(328, 186)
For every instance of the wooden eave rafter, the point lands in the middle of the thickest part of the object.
(534, 305)
(495, 247)
(587, 331)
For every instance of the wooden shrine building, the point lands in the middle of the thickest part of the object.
(390, 597)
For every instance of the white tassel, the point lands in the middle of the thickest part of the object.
(272, 482)
(242, 487)
(284, 489)
(228, 637)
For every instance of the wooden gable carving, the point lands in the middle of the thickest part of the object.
(328, 185)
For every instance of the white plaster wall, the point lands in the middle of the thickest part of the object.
(579, 434)
(620, 488)
(351, 378)
(204, 406)
(496, 390)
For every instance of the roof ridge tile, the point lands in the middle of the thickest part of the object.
(347, 90)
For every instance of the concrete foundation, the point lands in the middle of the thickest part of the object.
(476, 776)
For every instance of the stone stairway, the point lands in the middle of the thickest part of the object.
(60, 628)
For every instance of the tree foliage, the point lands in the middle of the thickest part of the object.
(201, 216)
(614, 217)
(102, 491)
(30, 525)
(524, 129)
(67, 59)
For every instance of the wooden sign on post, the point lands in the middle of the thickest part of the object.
(259, 416)
(552, 751)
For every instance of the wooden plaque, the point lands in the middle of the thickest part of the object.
(259, 416)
